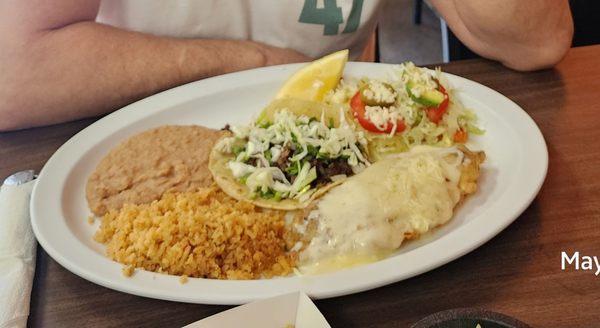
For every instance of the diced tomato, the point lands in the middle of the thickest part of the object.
(461, 136)
(435, 114)
(358, 110)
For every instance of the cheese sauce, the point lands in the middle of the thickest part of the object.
(370, 214)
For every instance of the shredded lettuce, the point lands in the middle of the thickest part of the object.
(306, 175)
(419, 129)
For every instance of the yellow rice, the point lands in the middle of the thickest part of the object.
(198, 234)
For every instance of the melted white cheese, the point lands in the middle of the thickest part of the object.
(370, 213)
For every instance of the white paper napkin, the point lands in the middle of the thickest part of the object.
(289, 310)
(17, 255)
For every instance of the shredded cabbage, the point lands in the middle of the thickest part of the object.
(419, 129)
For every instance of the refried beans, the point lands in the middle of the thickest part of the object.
(142, 168)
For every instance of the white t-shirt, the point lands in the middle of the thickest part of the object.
(313, 27)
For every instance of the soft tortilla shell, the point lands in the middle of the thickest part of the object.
(217, 164)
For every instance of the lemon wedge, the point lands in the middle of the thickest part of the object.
(313, 81)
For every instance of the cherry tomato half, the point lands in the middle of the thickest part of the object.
(435, 114)
(358, 110)
(461, 136)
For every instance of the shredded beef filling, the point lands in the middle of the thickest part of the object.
(325, 170)
(284, 159)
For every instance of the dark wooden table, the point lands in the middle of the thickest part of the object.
(517, 273)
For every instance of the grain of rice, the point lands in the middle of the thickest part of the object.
(128, 270)
(183, 279)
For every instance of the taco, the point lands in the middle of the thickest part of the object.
(412, 106)
(292, 154)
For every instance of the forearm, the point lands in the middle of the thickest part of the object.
(87, 69)
(521, 34)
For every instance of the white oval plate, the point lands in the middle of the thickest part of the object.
(512, 175)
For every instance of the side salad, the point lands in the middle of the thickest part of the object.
(414, 106)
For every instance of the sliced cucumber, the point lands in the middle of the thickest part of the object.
(429, 97)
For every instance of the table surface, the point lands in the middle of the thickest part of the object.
(517, 273)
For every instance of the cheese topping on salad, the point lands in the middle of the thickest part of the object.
(293, 155)
(378, 92)
(423, 78)
(413, 106)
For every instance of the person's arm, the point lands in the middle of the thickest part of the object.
(57, 64)
(522, 34)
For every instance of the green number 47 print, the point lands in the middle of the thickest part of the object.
(330, 16)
